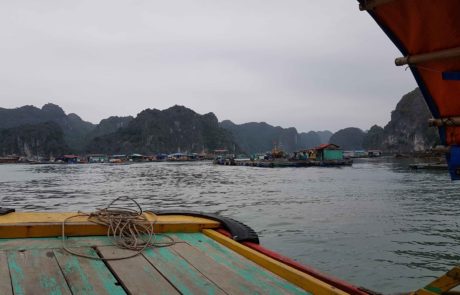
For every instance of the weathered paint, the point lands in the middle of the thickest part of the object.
(72, 266)
(5, 277)
(200, 266)
(110, 283)
(83, 275)
(267, 281)
(179, 272)
(136, 274)
(303, 280)
(53, 242)
(228, 280)
(50, 284)
(36, 271)
(17, 275)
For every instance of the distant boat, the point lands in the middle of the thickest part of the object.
(9, 159)
(426, 166)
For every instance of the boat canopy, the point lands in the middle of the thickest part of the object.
(428, 35)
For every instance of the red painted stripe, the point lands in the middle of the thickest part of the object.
(339, 284)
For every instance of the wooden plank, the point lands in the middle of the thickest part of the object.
(36, 272)
(228, 280)
(180, 273)
(136, 274)
(5, 278)
(268, 281)
(301, 279)
(53, 243)
(43, 224)
(87, 276)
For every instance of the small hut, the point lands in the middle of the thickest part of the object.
(328, 152)
(69, 159)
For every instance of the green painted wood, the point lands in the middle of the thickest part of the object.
(5, 278)
(201, 266)
(180, 273)
(226, 278)
(53, 243)
(36, 272)
(266, 280)
(136, 274)
(87, 276)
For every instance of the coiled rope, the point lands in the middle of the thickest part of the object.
(127, 228)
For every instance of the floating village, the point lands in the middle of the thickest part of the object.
(323, 155)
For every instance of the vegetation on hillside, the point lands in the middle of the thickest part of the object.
(33, 131)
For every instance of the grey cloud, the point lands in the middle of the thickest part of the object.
(308, 64)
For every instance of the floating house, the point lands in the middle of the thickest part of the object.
(220, 153)
(97, 158)
(68, 159)
(356, 154)
(137, 158)
(301, 155)
(328, 152)
(118, 159)
(9, 159)
(178, 157)
(161, 157)
(374, 153)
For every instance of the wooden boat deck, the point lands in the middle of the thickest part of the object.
(196, 264)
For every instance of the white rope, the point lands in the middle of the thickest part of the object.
(127, 228)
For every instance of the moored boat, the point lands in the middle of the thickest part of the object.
(9, 160)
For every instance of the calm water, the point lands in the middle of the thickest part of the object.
(376, 224)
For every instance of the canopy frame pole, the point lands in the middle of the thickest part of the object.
(371, 4)
(426, 57)
(447, 121)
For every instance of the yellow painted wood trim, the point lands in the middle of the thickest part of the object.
(301, 279)
(32, 217)
(43, 224)
(442, 284)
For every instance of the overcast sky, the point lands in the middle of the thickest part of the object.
(312, 65)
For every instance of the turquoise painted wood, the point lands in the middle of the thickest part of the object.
(180, 273)
(36, 272)
(195, 265)
(5, 278)
(86, 276)
(136, 274)
(228, 280)
(53, 243)
(270, 283)
(332, 155)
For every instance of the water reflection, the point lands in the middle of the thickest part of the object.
(376, 224)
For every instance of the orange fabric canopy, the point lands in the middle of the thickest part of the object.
(426, 26)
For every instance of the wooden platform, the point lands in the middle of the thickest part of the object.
(196, 264)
